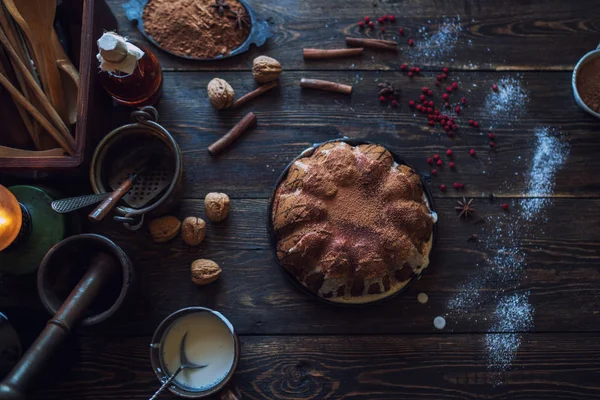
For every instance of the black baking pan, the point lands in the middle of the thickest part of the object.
(273, 236)
(258, 35)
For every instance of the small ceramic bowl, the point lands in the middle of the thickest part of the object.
(592, 55)
(158, 364)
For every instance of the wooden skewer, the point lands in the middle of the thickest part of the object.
(325, 85)
(255, 93)
(37, 91)
(19, 98)
(321, 54)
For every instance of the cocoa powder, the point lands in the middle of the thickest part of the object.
(588, 84)
(194, 28)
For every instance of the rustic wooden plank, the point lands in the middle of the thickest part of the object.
(547, 366)
(291, 119)
(561, 258)
(548, 34)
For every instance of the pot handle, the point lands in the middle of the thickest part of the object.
(145, 114)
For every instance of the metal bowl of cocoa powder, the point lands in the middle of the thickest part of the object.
(586, 82)
(203, 30)
(273, 236)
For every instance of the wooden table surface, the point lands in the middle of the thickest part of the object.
(294, 347)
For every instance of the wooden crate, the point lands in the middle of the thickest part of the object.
(94, 18)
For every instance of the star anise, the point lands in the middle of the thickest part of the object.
(241, 19)
(220, 5)
(466, 208)
(386, 89)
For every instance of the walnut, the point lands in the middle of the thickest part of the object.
(205, 272)
(193, 230)
(164, 228)
(216, 206)
(265, 69)
(220, 93)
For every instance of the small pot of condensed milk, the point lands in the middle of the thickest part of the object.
(203, 338)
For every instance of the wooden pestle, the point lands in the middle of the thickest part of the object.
(15, 385)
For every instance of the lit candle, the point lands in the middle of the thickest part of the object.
(11, 218)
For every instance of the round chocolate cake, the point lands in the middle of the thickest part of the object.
(352, 225)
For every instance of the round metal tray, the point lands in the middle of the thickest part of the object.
(273, 236)
(258, 35)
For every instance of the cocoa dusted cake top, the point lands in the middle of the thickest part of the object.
(352, 225)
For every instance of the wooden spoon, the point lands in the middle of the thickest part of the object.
(36, 19)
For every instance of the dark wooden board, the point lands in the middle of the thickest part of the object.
(547, 34)
(291, 119)
(562, 263)
(436, 367)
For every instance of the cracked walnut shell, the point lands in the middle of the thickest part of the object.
(216, 206)
(265, 69)
(164, 228)
(220, 93)
(205, 271)
(193, 231)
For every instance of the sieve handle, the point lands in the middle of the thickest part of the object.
(111, 201)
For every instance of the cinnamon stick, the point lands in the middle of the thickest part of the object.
(321, 54)
(325, 85)
(255, 93)
(380, 44)
(217, 147)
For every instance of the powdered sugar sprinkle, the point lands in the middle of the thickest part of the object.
(431, 48)
(507, 104)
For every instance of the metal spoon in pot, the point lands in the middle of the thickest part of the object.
(185, 364)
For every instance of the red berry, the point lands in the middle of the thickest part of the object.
(394, 103)
(437, 84)
(367, 19)
(472, 152)
(436, 157)
(448, 152)
(456, 185)
(430, 92)
(424, 90)
(436, 112)
(392, 18)
(385, 17)
(411, 103)
(449, 89)
(391, 97)
(492, 145)
(430, 160)
(439, 77)
(401, 32)
(461, 185)
(439, 162)
(412, 69)
(444, 76)
(411, 42)
(419, 107)
(447, 105)
(429, 109)
(445, 96)
(505, 206)
(457, 109)
(431, 122)
(454, 85)
(410, 74)
(445, 70)
(447, 128)
(417, 70)
(422, 97)
(383, 30)
(492, 136)
(361, 24)
(431, 103)
(403, 67)
(434, 172)
(495, 87)
(454, 127)
(430, 116)
(443, 188)
(371, 24)
(451, 164)
(382, 98)
(463, 100)
(380, 20)
(476, 124)
(471, 122)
